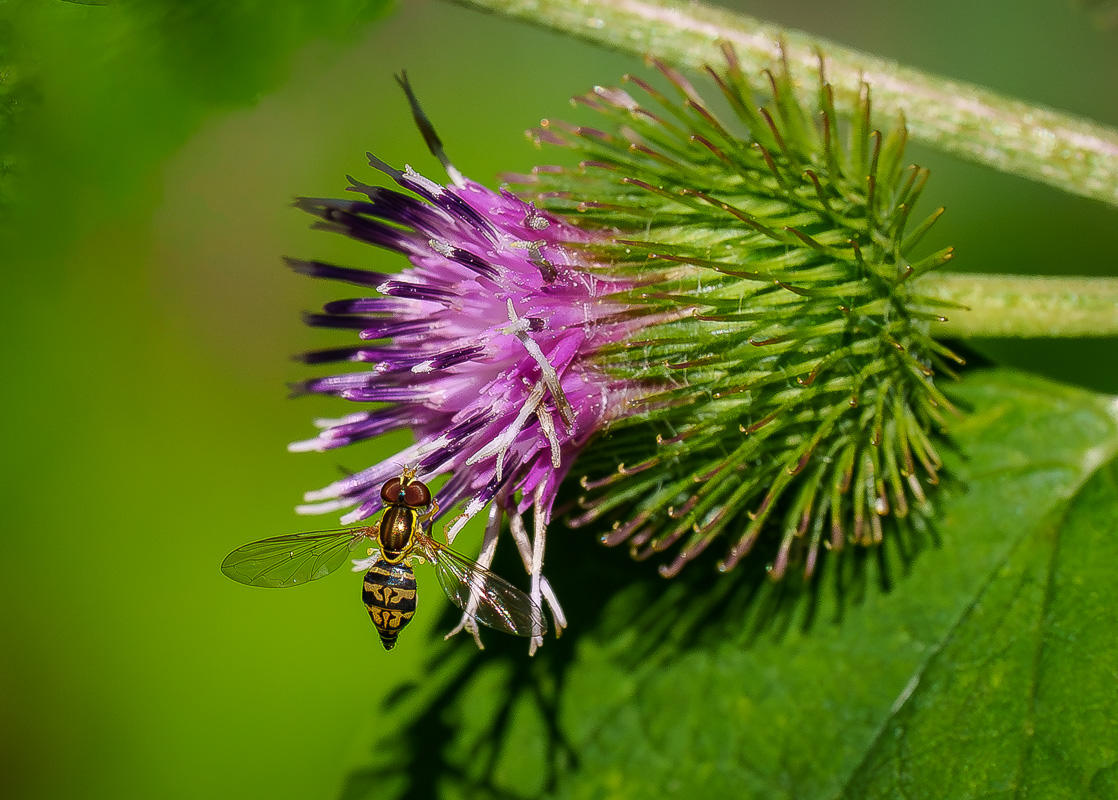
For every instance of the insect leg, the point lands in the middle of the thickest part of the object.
(520, 536)
(426, 516)
(373, 553)
(524, 545)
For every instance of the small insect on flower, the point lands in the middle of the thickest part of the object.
(389, 589)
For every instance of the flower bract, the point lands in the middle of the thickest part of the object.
(798, 395)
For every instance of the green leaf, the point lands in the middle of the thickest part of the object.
(968, 657)
(1023, 690)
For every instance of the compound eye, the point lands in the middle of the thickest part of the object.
(417, 495)
(390, 492)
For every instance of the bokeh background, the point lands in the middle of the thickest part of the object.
(147, 322)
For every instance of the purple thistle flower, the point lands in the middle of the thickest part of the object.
(738, 301)
(480, 349)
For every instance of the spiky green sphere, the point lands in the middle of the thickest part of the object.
(788, 377)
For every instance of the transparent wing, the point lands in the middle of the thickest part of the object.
(489, 599)
(295, 559)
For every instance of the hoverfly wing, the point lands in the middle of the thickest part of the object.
(490, 600)
(293, 560)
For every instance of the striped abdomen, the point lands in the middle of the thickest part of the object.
(389, 594)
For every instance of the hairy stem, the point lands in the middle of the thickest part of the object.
(1064, 151)
(1023, 306)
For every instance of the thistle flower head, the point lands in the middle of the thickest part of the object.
(725, 307)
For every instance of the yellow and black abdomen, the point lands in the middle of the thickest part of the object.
(389, 595)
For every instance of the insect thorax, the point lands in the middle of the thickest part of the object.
(397, 528)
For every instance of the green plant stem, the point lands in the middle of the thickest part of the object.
(1067, 152)
(1023, 306)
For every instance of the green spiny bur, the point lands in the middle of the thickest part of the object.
(788, 379)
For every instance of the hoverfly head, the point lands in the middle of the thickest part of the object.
(391, 491)
(416, 494)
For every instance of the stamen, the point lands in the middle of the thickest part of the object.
(528, 555)
(474, 506)
(540, 525)
(463, 257)
(557, 614)
(519, 327)
(325, 508)
(446, 359)
(535, 220)
(315, 445)
(502, 443)
(547, 425)
(416, 291)
(324, 423)
(485, 559)
(417, 181)
(535, 249)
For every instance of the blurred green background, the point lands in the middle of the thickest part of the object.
(147, 321)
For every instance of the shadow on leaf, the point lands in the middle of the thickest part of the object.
(496, 723)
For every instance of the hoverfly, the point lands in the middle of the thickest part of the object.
(389, 589)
